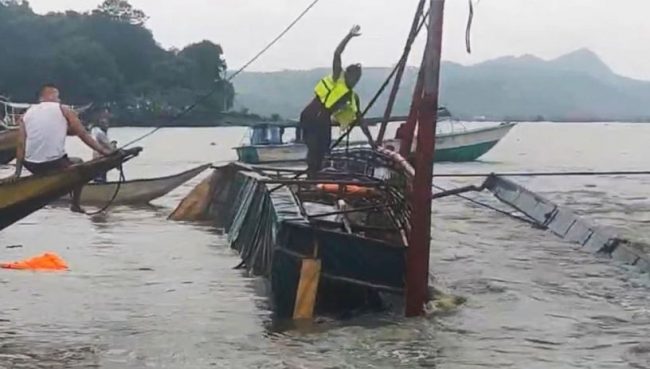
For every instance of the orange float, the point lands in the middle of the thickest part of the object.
(46, 262)
(347, 189)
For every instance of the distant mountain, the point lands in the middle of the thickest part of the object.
(576, 86)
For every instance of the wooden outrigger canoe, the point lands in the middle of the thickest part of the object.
(135, 192)
(23, 196)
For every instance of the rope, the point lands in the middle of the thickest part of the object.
(400, 73)
(270, 44)
(217, 86)
(545, 174)
(117, 191)
(490, 207)
(372, 102)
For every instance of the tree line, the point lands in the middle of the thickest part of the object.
(108, 57)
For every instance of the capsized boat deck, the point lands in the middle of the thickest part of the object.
(568, 225)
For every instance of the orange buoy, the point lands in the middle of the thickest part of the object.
(46, 262)
(347, 189)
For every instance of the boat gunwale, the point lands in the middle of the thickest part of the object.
(142, 180)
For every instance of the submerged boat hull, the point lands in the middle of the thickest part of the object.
(451, 147)
(136, 192)
(21, 197)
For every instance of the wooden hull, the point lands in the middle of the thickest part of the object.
(140, 191)
(452, 147)
(21, 197)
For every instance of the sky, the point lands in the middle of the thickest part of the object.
(615, 30)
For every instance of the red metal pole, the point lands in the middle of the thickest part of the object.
(400, 71)
(417, 275)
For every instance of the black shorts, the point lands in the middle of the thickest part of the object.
(48, 166)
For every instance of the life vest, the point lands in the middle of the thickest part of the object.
(330, 93)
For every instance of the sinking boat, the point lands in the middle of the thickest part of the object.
(266, 145)
(23, 196)
(347, 229)
(136, 192)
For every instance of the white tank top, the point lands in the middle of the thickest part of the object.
(46, 128)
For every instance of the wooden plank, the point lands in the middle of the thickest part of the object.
(307, 289)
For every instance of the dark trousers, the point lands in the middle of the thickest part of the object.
(316, 124)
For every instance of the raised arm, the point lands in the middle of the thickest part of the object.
(76, 128)
(337, 65)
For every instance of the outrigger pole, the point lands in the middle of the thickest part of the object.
(417, 271)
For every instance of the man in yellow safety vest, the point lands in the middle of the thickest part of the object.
(335, 102)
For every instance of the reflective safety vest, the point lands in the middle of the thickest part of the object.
(330, 93)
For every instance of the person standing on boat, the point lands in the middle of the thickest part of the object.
(335, 102)
(99, 131)
(42, 134)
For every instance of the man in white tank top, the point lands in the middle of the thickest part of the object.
(42, 133)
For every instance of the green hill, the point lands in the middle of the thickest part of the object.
(576, 86)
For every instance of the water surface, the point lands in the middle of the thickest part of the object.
(145, 292)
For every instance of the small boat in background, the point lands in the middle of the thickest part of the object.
(9, 124)
(22, 196)
(13, 111)
(464, 145)
(266, 144)
(136, 192)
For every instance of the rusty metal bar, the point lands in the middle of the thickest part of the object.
(417, 273)
(415, 26)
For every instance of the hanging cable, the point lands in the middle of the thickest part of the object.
(270, 44)
(216, 88)
(468, 30)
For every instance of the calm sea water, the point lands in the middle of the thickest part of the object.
(144, 292)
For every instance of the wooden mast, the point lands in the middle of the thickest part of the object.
(417, 275)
